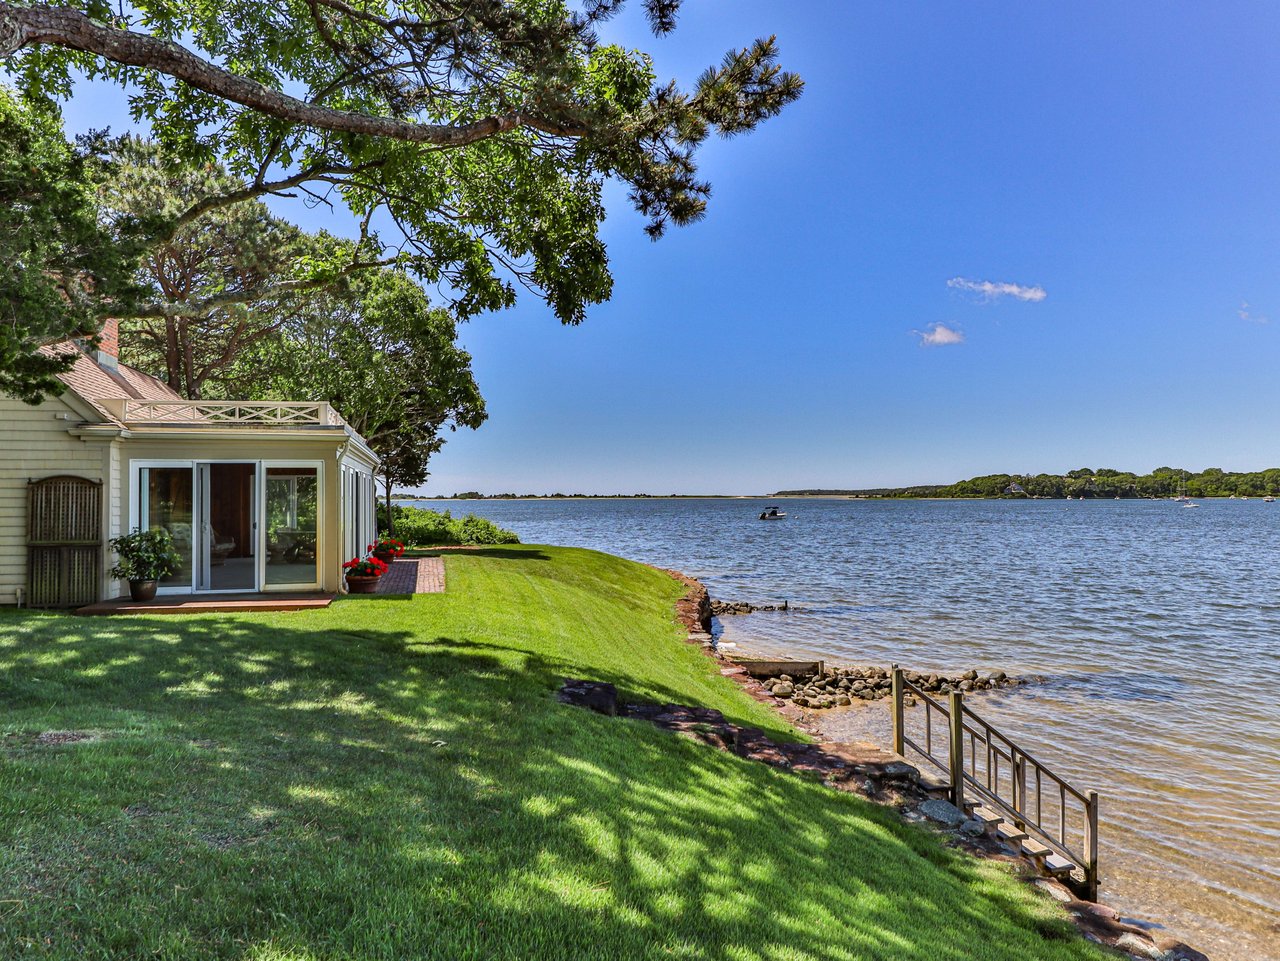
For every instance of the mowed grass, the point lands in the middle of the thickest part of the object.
(394, 778)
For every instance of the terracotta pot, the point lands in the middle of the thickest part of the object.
(385, 556)
(362, 585)
(143, 590)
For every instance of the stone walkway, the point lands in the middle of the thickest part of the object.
(414, 575)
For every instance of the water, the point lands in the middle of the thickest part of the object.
(1157, 626)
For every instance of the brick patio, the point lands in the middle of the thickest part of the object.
(414, 575)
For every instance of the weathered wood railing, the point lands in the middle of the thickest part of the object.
(983, 762)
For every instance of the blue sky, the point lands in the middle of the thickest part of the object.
(1120, 159)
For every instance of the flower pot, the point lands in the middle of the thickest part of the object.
(143, 590)
(385, 556)
(361, 585)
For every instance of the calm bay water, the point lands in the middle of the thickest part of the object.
(1157, 627)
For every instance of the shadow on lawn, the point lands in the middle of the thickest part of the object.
(500, 553)
(433, 800)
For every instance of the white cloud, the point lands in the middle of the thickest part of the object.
(1244, 313)
(994, 290)
(939, 335)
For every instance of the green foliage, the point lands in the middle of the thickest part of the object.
(419, 527)
(59, 262)
(393, 779)
(1108, 483)
(217, 286)
(483, 132)
(145, 555)
(384, 357)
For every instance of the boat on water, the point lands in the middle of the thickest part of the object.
(773, 514)
(1269, 499)
(1190, 504)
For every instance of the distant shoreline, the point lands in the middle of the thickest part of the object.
(787, 497)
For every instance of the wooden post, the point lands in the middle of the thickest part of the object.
(957, 749)
(1020, 788)
(898, 743)
(1091, 846)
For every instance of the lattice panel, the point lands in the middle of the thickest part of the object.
(64, 540)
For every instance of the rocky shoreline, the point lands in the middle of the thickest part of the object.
(734, 608)
(868, 770)
(841, 686)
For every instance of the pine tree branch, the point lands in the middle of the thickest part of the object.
(200, 308)
(61, 26)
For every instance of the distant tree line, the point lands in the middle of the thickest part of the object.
(1088, 483)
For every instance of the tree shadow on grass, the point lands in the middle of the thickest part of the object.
(498, 553)
(358, 793)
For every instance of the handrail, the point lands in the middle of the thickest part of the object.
(964, 774)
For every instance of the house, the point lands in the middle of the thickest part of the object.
(258, 496)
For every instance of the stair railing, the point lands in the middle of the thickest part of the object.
(983, 761)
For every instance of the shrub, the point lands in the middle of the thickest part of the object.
(419, 527)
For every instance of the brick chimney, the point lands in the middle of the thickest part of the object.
(108, 352)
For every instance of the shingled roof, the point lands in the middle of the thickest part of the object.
(93, 382)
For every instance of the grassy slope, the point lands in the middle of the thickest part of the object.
(393, 778)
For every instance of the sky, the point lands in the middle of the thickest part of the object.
(990, 237)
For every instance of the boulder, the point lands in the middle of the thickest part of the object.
(944, 812)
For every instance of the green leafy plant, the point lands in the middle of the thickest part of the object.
(418, 527)
(144, 555)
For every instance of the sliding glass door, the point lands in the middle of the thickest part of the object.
(227, 532)
(167, 501)
(237, 526)
(292, 502)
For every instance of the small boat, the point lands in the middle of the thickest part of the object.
(1190, 504)
(772, 514)
(1269, 499)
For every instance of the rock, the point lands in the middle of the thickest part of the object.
(966, 685)
(599, 696)
(900, 771)
(783, 689)
(1177, 951)
(1055, 889)
(974, 829)
(1140, 946)
(844, 700)
(999, 676)
(944, 812)
(969, 676)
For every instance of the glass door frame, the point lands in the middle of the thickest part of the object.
(321, 528)
(138, 509)
(199, 521)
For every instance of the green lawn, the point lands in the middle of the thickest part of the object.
(394, 778)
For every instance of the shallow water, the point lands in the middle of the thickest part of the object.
(1157, 627)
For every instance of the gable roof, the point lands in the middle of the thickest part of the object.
(93, 383)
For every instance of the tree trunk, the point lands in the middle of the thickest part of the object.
(391, 517)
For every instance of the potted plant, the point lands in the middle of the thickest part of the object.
(143, 557)
(386, 549)
(363, 574)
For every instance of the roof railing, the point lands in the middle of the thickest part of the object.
(206, 413)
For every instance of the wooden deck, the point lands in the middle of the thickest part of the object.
(210, 603)
(409, 575)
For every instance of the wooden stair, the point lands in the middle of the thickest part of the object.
(1041, 855)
